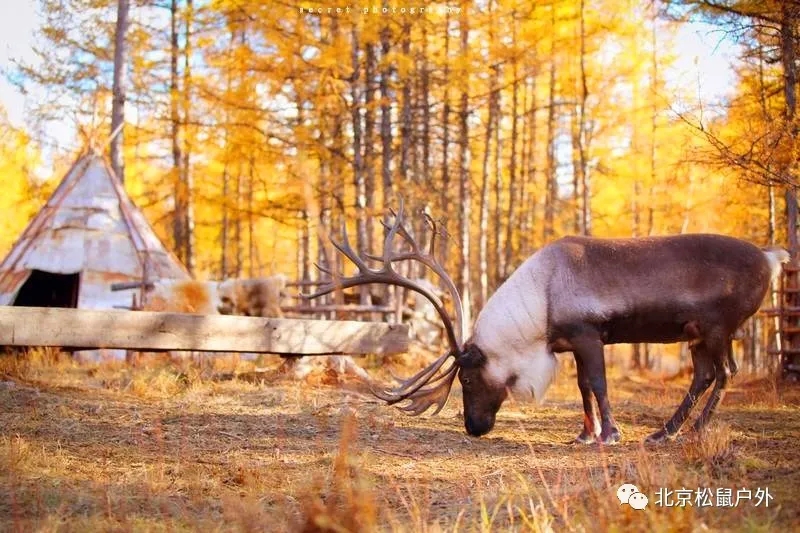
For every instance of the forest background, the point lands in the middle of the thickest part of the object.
(253, 130)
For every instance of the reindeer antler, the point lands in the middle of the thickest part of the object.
(412, 388)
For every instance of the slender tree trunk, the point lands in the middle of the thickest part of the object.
(767, 117)
(369, 139)
(237, 225)
(443, 202)
(337, 141)
(522, 186)
(483, 224)
(485, 201)
(307, 273)
(576, 172)
(465, 183)
(359, 182)
(387, 181)
(223, 235)
(305, 245)
(324, 225)
(529, 179)
(583, 134)
(499, 274)
(179, 216)
(788, 60)
(513, 185)
(411, 269)
(426, 180)
(239, 183)
(188, 175)
(551, 187)
(580, 186)
(405, 112)
(386, 120)
(119, 88)
(426, 111)
(254, 264)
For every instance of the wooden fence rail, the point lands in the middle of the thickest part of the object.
(145, 330)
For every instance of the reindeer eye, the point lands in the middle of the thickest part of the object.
(465, 381)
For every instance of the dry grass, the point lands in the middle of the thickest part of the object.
(217, 445)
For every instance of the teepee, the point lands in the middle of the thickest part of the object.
(87, 236)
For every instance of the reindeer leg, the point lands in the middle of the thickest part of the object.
(589, 348)
(591, 424)
(732, 366)
(722, 373)
(704, 374)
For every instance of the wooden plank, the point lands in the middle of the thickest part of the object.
(344, 308)
(146, 330)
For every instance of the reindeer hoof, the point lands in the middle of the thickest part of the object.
(613, 437)
(659, 437)
(585, 438)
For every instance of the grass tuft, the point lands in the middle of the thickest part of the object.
(346, 503)
(711, 448)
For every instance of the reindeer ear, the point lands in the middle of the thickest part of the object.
(471, 357)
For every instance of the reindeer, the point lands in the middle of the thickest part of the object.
(576, 295)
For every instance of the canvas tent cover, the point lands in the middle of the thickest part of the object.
(89, 226)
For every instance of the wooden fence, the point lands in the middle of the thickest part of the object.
(153, 331)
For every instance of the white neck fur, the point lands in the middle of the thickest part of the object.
(511, 331)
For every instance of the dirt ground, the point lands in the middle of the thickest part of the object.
(219, 446)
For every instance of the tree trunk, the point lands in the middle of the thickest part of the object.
(411, 269)
(405, 112)
(499, 274)
(465, 183)
(551, 186)
(369, 139)
(767, 117)
(223, 235)
(118, 89)
(237, 225)
(386, 120)
(585, 135)
(305, 217)
(511, 209)
(522, 186)
(443, 202)
(386, 136)
(179, 200)
(528, 205)
(359, 182)
(252, 251)
(788, 60)
(187, 175)
(425, 181)
(305, 246)
(483, 223)
(580, 140)
(426, 111)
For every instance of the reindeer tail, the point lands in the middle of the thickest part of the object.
(776, 257)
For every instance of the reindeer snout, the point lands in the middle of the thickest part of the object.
(478, 426)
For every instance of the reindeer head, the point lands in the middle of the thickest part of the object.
(481, 398)
(431, 386)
